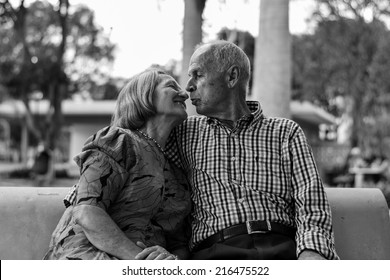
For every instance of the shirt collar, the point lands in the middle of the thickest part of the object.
(255, 116)
(256, 111)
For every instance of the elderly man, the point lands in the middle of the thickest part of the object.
(255, 187)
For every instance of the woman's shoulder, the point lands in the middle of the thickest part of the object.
(117, 143)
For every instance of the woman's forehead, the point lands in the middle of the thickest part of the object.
(166, 79)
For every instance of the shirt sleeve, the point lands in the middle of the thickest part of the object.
(101, 180)
(312, 210)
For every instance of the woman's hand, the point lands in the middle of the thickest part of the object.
(154, 253)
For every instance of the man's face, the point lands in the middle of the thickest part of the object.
(206, 86)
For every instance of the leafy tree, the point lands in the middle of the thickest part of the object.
(338, 60)
(46, 48)
(363, 10)
(377, 101)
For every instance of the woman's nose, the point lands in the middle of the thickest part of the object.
(184, 94)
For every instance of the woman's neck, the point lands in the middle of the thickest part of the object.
(159, 130)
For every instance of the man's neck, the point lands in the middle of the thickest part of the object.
(232, 114)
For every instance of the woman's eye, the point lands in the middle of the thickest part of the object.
(175, 88)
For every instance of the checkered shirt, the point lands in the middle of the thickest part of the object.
(262, 169)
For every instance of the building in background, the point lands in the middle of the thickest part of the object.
(83, 118)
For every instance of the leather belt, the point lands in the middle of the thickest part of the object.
(249, 227)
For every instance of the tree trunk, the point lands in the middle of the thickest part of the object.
(272, 68)
(192, 35)
(57, 92)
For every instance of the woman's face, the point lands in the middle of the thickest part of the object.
(169, 99)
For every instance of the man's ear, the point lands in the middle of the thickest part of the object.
(233, 74)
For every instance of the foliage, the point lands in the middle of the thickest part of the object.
(53, 50)
(89, 52)
(345, 59)
(357, 9)
(334, 61)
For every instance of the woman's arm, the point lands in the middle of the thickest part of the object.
(103, 232)
(105, 235)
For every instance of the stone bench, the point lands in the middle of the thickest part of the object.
(28, 216)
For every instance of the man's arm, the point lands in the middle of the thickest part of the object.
(310, 255)
(312, 211)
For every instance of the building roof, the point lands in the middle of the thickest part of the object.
(16, 108)
(311, 113)
(304, 111)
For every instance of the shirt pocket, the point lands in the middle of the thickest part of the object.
(271, 172)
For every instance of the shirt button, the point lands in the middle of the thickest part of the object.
(235, 182)
(233, 158)
(241, 200)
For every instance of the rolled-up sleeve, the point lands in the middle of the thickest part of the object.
(312, 211)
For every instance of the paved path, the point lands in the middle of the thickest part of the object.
(6, 167)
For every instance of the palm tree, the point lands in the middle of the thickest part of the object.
(192, 35)
(272, 69)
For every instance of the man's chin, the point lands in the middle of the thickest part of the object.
(199, 110)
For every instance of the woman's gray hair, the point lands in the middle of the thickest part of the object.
(224, 54)
(134, 105)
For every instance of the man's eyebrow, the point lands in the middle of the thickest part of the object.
(193, 70)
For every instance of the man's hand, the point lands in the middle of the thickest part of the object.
(310, 255)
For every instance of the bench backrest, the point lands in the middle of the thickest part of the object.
(361, 223)
(28, 216)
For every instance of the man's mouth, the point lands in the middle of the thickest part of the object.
(194, 101)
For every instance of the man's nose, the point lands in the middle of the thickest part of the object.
(190, 86)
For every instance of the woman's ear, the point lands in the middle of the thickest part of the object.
(233, 74)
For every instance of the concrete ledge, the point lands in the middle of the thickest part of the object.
(28, 216)
(361, 223)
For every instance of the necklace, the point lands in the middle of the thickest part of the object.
(147, 137)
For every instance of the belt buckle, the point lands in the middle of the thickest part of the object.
(251, 231)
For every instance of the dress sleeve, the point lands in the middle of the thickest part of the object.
(101, 180)
(312, 210)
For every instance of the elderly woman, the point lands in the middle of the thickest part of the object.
(129, 203)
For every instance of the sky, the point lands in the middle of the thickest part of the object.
(149, 31)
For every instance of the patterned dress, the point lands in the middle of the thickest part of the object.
(129, 177)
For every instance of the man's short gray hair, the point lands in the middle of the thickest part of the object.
(224, 54)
